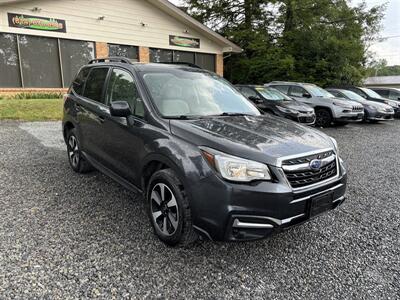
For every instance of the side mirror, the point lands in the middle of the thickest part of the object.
(120, 109)
(256, 99)
(306, 95)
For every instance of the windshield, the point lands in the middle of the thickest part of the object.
(316, 91)
(353, 96)
(273, 94)
(189, 93)
(371, 93)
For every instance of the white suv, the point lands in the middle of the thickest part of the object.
(328, 108)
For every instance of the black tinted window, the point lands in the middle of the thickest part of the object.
(394, 95)
(79, 81)
(282, 88)
(122, 87)
(249, 92)
(95, 84)
(297, 91)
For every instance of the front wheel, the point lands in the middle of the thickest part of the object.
(169, 210)
(75, 157)
(324, 117)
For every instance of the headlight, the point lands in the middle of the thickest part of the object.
(235, 168)
(342, 105)
(335, 145)
(287, 110)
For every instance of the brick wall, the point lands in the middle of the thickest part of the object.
(219, 68)
(144, 54)
(101, 49)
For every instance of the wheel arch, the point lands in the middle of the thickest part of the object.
(156, 162)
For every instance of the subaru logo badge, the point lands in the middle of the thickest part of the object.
(315, 165)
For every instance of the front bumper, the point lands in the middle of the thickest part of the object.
(380, 116)
(349, 117)
(240, 212)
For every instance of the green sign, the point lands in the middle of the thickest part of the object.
(181, 41)
(36, 23)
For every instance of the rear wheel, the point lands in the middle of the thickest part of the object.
(324, 117)
(75, 157)
(169, 210)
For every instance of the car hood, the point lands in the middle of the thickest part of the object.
(263, 138)
(377, 105)
(295, 106)
(347, 102)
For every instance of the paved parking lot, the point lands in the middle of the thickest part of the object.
(63, 235)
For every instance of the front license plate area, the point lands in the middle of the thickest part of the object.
(321, 204)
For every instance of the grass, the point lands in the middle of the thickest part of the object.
(31, 109)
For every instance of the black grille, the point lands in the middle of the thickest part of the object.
(358, 109)
(306, 119)
(299, 179)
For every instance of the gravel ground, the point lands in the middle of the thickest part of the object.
(67, 236)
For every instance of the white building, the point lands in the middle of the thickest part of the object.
(44, 42)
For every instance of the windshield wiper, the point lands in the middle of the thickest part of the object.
(182, 117)
(230, 114)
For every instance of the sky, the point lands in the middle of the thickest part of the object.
(389, 49)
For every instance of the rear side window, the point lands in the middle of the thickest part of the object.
(95, 84)
(282, 88)
(79, 81)
(297, 91)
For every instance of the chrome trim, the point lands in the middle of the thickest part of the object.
(306, 166)
(339, 199)
(276, 221)
(280, 160)
(319, 193)
(321, 183)
(239, 224)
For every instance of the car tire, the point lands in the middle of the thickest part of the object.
(323, 117)
(169, 210)
(76, 160)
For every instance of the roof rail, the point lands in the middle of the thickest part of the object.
(111, 59)
(182, 64)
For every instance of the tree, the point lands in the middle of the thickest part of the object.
(320, 41)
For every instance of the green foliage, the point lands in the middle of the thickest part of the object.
(318, 41)
(37, 95)
(383, 70)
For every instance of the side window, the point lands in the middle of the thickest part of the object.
(282, 88)
(249, 92)
(337, 94)
(79, 81)
(394, 95)
(95, 84)
(361, 93)
(383, 93)
(297, 91)
(122, 87)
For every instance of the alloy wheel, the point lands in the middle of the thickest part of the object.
(73, 151)
(164, 209)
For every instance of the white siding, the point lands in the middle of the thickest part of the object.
(122, 23)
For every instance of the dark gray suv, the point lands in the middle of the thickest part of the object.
(207, 162)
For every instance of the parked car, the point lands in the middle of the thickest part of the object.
(374, 96)
(388, 93)
(373, 111)
(273, 101)
(207, 162)
(328, 109)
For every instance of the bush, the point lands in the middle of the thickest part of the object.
(43, 95)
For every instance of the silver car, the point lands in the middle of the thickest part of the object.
(328, 108)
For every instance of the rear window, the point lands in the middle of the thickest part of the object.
(95, 84)
(79, 81)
